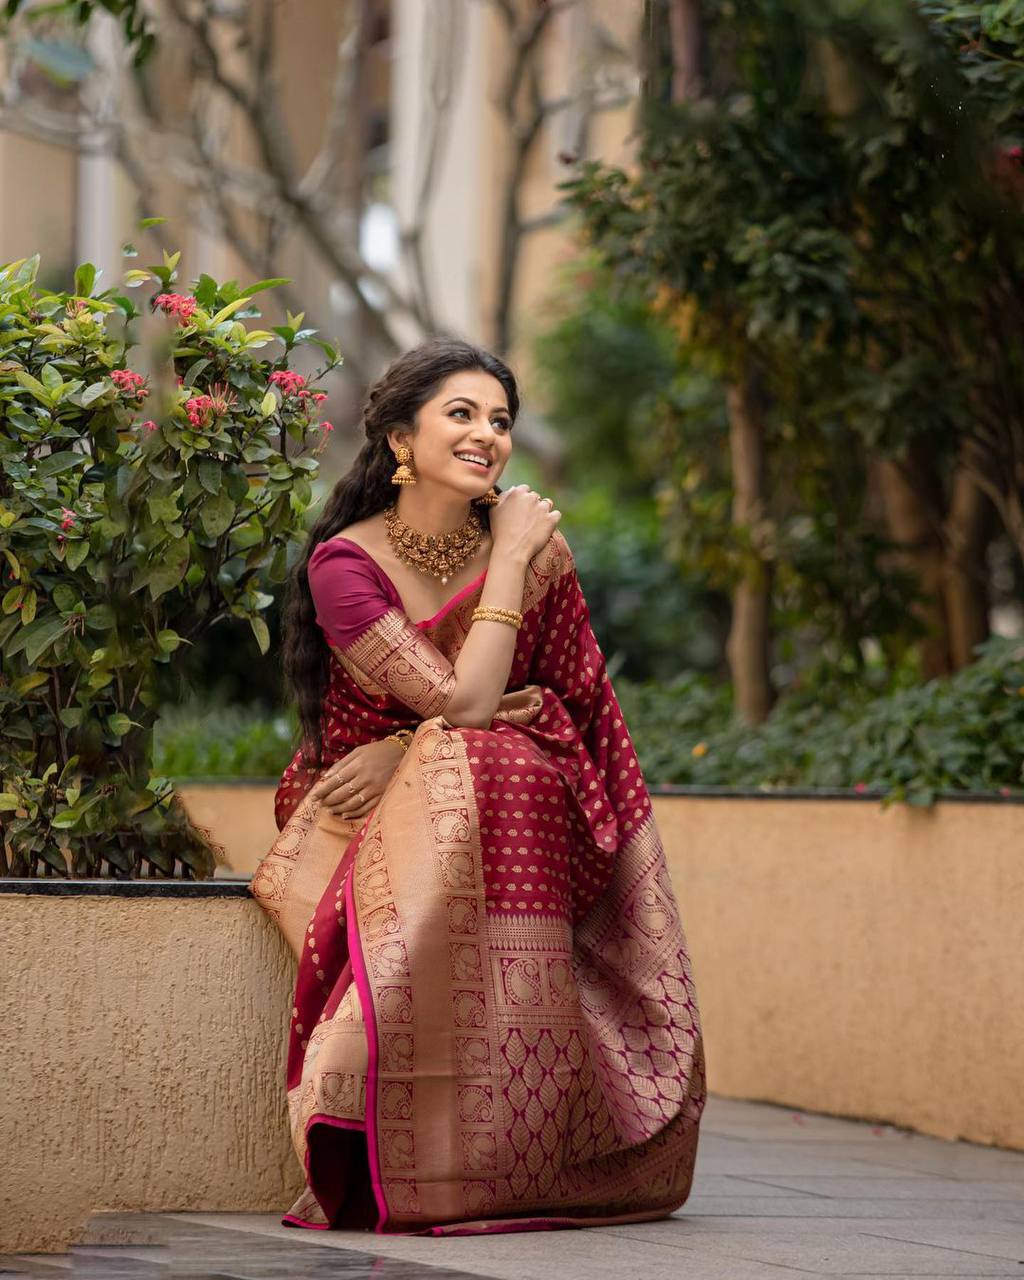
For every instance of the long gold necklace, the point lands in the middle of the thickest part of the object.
(439, 554)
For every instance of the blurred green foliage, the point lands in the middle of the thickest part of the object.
(200, 740)
(961, 733)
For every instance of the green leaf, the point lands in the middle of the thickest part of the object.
(9, 802)
(260, 285)
(32, 681)
(194, 370)
(33, 385)
(268, 404)
(36, 638)
(63, 819)
(261, 631)
(217, 513)
(101, 617)
(210, 474)
(85, 278)
(146, 223)
(227, 311)
(169, 574)
(55, 463)
(93, 393)
(168, 641)
(76, 553)
(119, 723)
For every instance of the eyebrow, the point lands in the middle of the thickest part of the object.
(498, 409)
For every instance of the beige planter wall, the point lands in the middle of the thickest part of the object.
(859, 962)
(142, 1061)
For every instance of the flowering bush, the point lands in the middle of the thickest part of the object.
(122, 540)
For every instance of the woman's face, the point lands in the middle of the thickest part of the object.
(469, 414)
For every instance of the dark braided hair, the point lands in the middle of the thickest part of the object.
(366, 489)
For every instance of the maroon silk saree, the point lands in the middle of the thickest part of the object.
(495, 1023)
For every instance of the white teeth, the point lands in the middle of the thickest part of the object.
(480, 462)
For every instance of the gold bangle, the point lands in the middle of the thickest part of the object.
(491, 613)
(402, 736)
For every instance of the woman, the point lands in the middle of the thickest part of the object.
(495, 1025)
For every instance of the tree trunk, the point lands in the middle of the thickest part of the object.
(749, 639)
(685, 38)
(970, 526)
(913, 498)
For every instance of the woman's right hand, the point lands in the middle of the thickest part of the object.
(522, 522)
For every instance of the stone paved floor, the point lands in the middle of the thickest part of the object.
(778, 1193)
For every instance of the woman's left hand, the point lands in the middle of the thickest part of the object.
(352, 787)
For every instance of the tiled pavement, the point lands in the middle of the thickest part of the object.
(778, 1194)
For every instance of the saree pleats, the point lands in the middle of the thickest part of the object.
(495, 1022)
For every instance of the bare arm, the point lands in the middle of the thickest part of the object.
(485, 660)
(521, 523)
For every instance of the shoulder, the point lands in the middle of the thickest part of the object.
(555, 557)
(337, 565)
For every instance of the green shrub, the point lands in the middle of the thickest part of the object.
(962, 733)
(135, 512)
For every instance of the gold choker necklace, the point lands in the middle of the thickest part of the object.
(439, 554)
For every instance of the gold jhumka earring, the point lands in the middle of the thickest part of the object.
(403, 474)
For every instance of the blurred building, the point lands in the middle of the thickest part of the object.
(434, 133)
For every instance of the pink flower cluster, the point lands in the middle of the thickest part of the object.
(68, 521)
(129, 384)
(294, 384)
(290, 383)
(197, 409)
(176, 304)
(149, 426)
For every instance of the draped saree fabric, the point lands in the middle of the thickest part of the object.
(495, 1022)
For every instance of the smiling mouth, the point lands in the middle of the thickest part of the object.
(480, 466)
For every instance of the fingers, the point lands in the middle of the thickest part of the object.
(344, 797)
(350, 811)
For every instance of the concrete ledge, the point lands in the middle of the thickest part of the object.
(142, 1059)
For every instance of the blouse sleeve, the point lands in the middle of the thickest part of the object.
(394, 657)
(348, 595)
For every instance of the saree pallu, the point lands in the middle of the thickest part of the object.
(495, 1023)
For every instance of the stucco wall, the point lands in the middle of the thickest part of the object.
(858, 961)
(141, 1059)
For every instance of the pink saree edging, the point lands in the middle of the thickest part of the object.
(366, 999)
